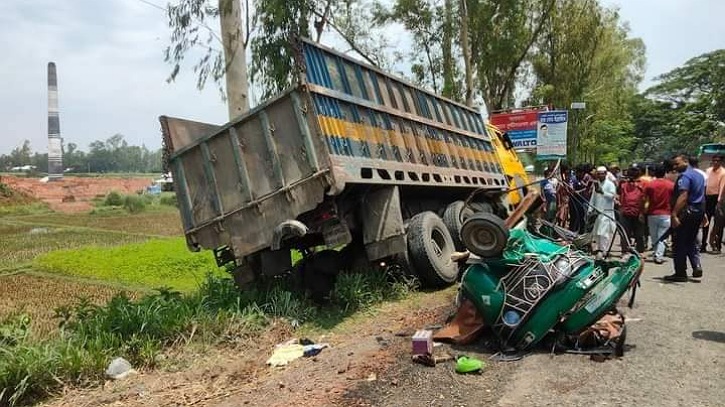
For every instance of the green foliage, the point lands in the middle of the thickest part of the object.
(134, 203)
(113, 199)
(424, 21)
(188, 21)
(685, 109)
(503, 35)
(155, 263)
(30, 208)
(111, 155)
(14, 330)
(273, 49)
(168, 199)
(585, 54)
(356, 291)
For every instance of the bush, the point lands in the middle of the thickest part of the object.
(168, 199)
(113, 199)
(134, 203)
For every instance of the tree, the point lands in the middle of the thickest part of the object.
(188, 21)
(282, 22)
(21, 155)
(585, 54)
(503, 35)
(693, 99)
(432, 26)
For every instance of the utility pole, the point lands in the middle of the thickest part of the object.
(235, 57)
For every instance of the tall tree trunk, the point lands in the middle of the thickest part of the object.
(235, 57)
(466, 49)
(449, 80)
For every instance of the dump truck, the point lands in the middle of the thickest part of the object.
(349, 166)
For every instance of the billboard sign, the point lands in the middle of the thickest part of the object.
(551, 135)
(520, 126)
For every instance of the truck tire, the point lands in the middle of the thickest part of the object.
(453, 217)
(430, 246)
(485, 234)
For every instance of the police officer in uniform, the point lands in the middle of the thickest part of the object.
(688, 212)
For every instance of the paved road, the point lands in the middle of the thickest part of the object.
(678, 359)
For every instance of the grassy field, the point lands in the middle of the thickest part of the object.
(20, 243)
(37, 296)
(164, 221)
(154, 263)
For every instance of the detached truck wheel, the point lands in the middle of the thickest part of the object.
(485, 234)
(453, 217)
(430, 246)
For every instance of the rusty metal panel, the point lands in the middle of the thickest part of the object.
(200, 191)
(290, 141)
(256, 157)
(228, 181)
(180, 133)
(253, 228)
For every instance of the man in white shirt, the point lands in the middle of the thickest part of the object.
(603, 202)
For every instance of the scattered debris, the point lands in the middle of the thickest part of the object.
(119, 368)
(286, 352)
(428, 359)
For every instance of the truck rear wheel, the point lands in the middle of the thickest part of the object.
(453, 217)
(430, 246)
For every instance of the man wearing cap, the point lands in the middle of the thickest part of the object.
(603, 202)
(687, 215)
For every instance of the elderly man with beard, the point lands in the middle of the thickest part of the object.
(687, 215)
(605, 192)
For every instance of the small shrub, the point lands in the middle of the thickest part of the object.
(108, 211)
(356, 291)
(5, 191)
(169, 200)
(134, 203)
(113, 199)
(14, 330)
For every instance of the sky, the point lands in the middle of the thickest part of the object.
(112, 76)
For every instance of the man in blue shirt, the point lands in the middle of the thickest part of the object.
(688, 212)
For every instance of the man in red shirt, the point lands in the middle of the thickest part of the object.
(631, 196)
(657, 198)
(715, 182)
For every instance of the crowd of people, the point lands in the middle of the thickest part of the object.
(672, 203)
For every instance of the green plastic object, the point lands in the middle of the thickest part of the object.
(464, 364)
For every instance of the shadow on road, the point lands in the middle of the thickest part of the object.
(713, 336)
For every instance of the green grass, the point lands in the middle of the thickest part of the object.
(154, 263)
(20, 243)
(30, 208)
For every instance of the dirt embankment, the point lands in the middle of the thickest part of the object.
(74, 194)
